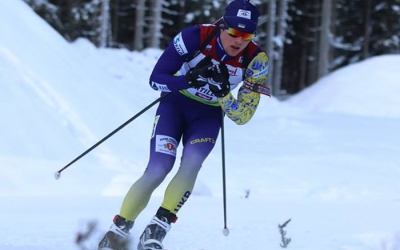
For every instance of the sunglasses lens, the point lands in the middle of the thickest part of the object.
(237, 33)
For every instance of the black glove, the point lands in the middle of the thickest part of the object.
(197, 77)
(219, 80)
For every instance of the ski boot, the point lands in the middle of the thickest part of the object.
(117, 238)
(155, 232)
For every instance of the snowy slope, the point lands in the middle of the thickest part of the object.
(328, 158)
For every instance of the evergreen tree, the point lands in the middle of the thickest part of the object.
(49, 12)
(300, 66)
(385, 32)
(349, 33)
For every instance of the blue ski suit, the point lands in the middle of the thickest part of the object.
(192, 117)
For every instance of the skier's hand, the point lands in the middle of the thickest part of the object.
(219, 80)
(198, 76)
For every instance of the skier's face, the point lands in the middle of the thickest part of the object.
(233, 44)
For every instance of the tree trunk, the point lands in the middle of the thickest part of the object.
(270, 40)
(281, 33)
(324, 46)
(104, 23)
(139, 24)
(155, 27)
(367, 29)
(313, 41)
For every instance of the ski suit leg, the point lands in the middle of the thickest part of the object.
(167, 131)
(198, 141)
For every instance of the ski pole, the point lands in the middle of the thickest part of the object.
(57, 174)
(225, 231)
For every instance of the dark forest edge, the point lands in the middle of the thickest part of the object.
(305, 40)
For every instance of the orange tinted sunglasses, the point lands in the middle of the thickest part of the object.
(236, 33)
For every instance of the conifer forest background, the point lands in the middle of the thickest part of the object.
(304, 39)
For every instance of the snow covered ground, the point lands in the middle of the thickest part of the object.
(328, 158)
